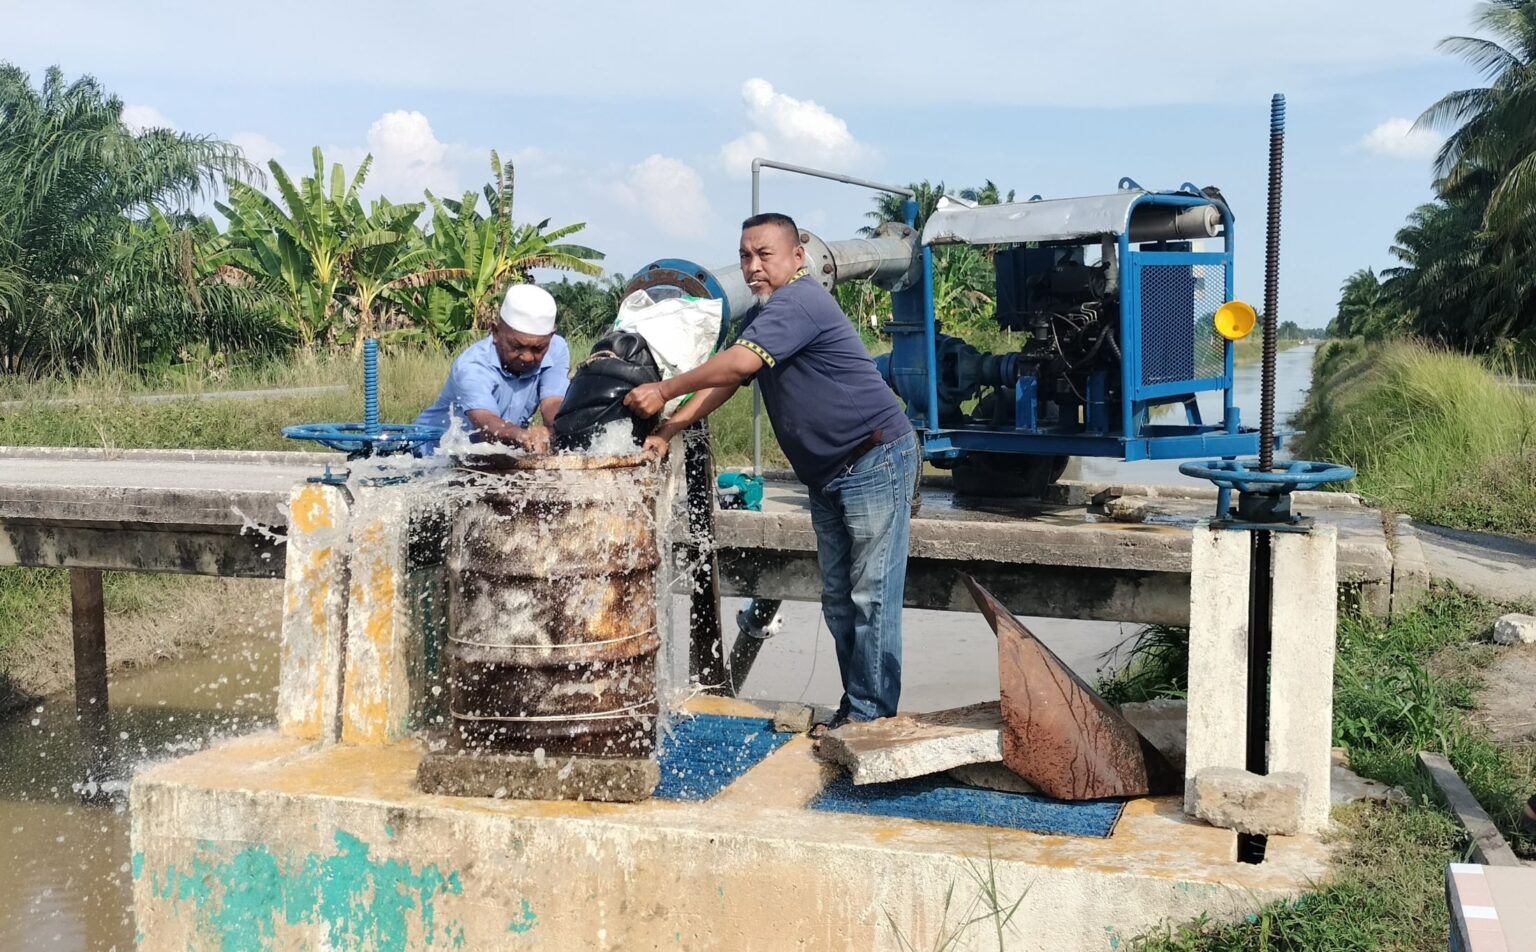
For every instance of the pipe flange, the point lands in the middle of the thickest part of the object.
(818, 260)
(914, 272)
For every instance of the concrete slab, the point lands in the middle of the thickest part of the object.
(1164, 722)
(277, 843)
(916, 745)
(1234, 799)
(991, 777)
(184, 511)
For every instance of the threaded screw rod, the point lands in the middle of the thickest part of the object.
(1271, 283)
(371, 387)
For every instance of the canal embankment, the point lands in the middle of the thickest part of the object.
(1439, 436)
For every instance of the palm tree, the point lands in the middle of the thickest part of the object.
(1364, 309)
(78, 190)
(888, 207)
(1493, 127)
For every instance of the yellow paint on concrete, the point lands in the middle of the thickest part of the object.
(375, 700)
(310, 511)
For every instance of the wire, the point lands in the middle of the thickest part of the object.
(815, 651)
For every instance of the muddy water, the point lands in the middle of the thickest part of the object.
(64, 864)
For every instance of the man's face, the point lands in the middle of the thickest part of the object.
(519, 352)
(770, 257)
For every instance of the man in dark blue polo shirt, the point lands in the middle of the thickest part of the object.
(845, 435)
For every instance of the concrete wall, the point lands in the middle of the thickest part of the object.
(267, 844)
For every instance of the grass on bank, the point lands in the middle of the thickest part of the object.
(1433, 434)
(1399, 688)
(410, 380)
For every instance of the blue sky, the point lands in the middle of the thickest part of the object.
(641, 124)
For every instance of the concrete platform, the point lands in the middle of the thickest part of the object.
(274, 843)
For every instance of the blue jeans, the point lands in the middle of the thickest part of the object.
(863, 518)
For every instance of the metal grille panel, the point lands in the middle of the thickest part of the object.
(1178, 339)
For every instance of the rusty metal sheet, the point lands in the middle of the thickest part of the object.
(1057, 732)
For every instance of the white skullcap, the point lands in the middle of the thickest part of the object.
(529, 309)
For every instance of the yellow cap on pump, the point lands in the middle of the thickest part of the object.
(1234, 320)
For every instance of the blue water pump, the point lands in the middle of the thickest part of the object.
(1121, 303)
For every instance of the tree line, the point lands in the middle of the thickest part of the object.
(102, 262)
(1463, 276)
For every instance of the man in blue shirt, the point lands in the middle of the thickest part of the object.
(523, 367)
(847, 438)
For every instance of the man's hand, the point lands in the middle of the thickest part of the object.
(534, 439)
(646, 400)
(656, 446)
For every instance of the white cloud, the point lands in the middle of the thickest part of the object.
(138, 118)
(791, 130)
(1398, 139)
(669, 193)
(407, 158)
(257, 147)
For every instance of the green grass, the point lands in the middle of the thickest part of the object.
(1399, 688)
(33, 600)
(409, 381)
(1433, 434)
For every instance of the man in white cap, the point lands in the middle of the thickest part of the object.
(498, 384)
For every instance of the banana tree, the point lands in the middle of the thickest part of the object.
(486, 253)
(301, 250)
(389, 256)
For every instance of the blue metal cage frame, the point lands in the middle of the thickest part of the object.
(1140, 439)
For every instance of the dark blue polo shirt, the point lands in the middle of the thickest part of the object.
(820, 385)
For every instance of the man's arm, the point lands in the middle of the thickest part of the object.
(702, 405)
(534, 439)
(726, 371)
(549, 408)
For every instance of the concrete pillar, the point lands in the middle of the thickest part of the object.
(1217, 721)
(1304, 620)
(390, 588)
(314, 613)
(89, 622)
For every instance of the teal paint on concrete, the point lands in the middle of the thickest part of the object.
(389, 831)
(363, 902)
(526, 922)
(138, 864)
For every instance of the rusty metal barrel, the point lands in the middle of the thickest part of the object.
(552, 607)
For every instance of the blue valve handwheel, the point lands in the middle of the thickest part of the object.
(1245, 476)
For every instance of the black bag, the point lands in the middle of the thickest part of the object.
(618, 364)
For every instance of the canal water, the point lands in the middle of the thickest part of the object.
(64, 864)
(65, 867)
